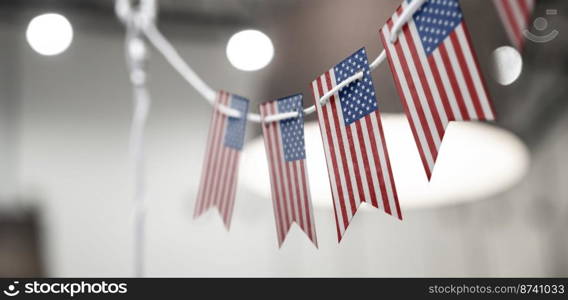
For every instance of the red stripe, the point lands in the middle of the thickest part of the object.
(290, 185)
(274, 136)
(233, 190)
(441, 89)
(220, 170)
(454, 83)
(526, 12)
(424, 82)
(224, 188)
(207, 162)
(386, 152)
(483, 82)
(355, 162)
(300, 220)
(341, 147)
(375, 151)
(337, 181)
(510, 15)
(225, 195)
(273, 177)
(362, 146)
(466, 74)
(215, 155)
(415, 99)
(307, 207)
(285, 173)
(398, 85)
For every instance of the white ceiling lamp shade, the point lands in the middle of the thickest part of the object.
(476, 161)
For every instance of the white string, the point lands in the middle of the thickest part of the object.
(404, 18)
(136, 56)
(157, 39)
(141, 108)
(172, 56)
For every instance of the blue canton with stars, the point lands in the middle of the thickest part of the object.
(235, 134)
(292, 130)
(358, 98)
(436, 20)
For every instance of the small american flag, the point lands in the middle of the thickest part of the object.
(221, 164)
(286, 152)
(436, 73)
(357, 158)
(515, 15)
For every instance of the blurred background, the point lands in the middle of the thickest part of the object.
(497, 204)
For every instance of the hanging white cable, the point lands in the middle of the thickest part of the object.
(136, 56)
(135, 51)
(172, 56)
(176, 61)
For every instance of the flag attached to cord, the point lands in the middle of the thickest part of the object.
(220, 169)
(515, 15)
(355, 149)
(286, 153)
(436, 73)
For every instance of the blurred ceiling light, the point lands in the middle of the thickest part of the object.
(250, 50)
(476, 161)
(507, 65)
(49, 34)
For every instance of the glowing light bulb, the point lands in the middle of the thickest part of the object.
(250, 50)
(49, 34)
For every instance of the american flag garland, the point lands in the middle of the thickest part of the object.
(286, 154)
(437, 75)
(436, 72)
(354, 144)
(220, 169)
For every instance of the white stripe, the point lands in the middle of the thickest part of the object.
(279, 188)
(507, 24)
(302, 200)
(226, 191)
(338, 157)
(476, 77)
(346, 143)
(360, 163)
(310, 213)
(294, 190)
(428, 72)
(420, 90)
(408, 99)
(287, 192)
(518, 13)
(530, 5)
(328, 154)
(384, 165)
(460, 79)
(273, 179)
(447, 85)
(372, 163)
(233, 188)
